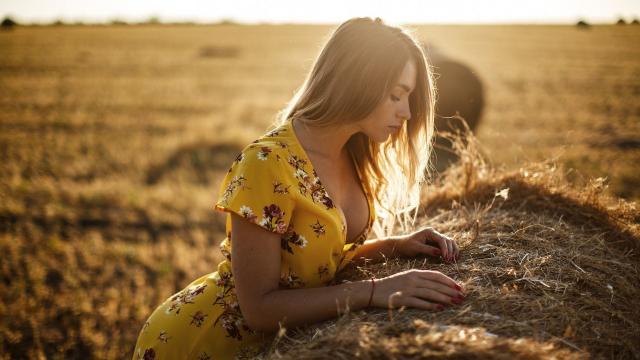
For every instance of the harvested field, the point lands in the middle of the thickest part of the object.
(549, 271)
(114, 139)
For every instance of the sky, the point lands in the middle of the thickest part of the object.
(324, 11)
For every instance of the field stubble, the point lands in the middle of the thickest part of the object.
(114, 141)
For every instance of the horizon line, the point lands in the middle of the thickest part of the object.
(155, 20)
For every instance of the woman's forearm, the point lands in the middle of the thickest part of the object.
(296, 307)
(375, 250)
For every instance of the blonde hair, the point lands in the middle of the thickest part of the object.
(356, 70)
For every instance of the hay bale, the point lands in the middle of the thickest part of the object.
(550, 271)
(460, 103)
(460, 94)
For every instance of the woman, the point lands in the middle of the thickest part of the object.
(362, 122)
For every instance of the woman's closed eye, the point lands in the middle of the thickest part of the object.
(394, 98)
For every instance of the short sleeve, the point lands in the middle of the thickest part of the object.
(257, 188)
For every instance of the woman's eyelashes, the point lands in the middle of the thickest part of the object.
(394, 98)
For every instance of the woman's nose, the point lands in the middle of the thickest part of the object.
(405, 113)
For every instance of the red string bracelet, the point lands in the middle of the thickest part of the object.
(373, 286)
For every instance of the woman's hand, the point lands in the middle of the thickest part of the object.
(427, 241)
(422, 289)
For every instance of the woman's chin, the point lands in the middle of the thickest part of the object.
(380, 138)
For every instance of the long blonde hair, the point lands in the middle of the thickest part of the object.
(356, 70)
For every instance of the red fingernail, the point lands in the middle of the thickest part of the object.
(437, 252)
(440, 307)
(457, 287)
(456, 300)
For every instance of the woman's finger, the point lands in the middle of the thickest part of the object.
(439, 277)
(456, 250)
(440, 240)
(445, 244)
(430, 250)
(422, 304)
(441, 288)
(450, 248)
(436, 296)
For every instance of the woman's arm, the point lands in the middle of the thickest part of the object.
(255, 261)
(426, 241)
(375, 250)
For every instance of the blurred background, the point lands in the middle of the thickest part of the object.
(119, 119)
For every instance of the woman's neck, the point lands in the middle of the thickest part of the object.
(327, 142)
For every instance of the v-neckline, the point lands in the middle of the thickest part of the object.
(366, 192)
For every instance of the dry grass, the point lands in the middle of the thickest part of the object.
(113, 141)
(550, 271)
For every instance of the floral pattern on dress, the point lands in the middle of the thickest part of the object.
(186, 296)
(248, 214)
(264, 152)
(273, 133)
(273, 184)
(297, 163)
(237, 160)
(197, 319)
(273, 219)
(323, 270)
(164, 336)
(280, 188)
(238, 182)
(231, 318)
(308, 186)
(291, 237)
(291, 280)
(318, 228)
(224, 250)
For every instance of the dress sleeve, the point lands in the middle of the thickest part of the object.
(256, 188)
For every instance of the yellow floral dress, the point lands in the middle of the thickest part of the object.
(272, 184)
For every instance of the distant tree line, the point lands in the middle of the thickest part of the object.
(9, 23)
(621, 21)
